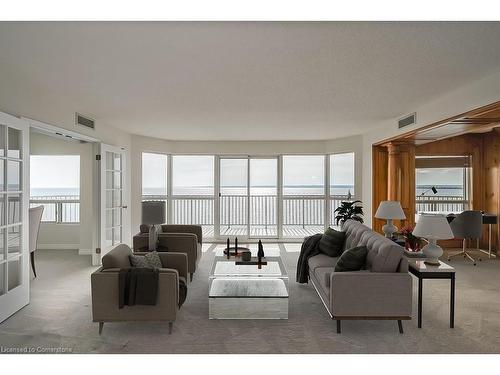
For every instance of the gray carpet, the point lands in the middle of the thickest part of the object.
(59, 315)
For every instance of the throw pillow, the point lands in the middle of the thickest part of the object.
(150, 260)
(332, 242)
(352, 260)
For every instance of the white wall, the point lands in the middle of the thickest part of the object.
(474, 95)
(68, 236)
(145, 144)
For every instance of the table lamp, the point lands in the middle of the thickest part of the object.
(153, 214)
(433, 227)
(390, 210)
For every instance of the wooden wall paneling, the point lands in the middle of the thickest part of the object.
(491, 162)
(379, 182)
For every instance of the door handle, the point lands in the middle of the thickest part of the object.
(124, 206)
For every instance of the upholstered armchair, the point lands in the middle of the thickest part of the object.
(105, 289)
(35, 217)
(185, 239)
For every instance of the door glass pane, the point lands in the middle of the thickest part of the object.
(109, 218)
(117, 217)
(13, 175)
(2, 140)
(2, 278)
(109, 238)
(117, 162)
(14, 240)
(109, 180)
(233, 197)
(3, 253)
(3, 197)
(117, 180)
(14, 208)
(109, 198)
(14, 268)
(117, 198)
(2, 165)
(15, 142)
(109, 160)
(117, 235)
(263, 197)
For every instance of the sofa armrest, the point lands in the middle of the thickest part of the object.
(182, 243)
(371, 294)
(105, 295)
(177, 261)
(141, 242)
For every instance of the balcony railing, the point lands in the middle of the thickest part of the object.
(60, 209)
(261, 210)
(444, 203)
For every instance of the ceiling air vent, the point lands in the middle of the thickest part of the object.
(407, 120)
(84, 121)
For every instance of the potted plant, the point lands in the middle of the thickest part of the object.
(349, 210)
(412, 242)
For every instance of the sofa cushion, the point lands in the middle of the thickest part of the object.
(384, 255)
(352, 259)
(117, 257)
(321, 260)
(332, 242)
(323, 275)
(149, 260)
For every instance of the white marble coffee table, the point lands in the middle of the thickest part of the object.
(247, 291)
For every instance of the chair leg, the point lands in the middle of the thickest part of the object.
(32, 261)
(400, 326)
(338, 326)
(191, 276)
(170, 326)
(101, 325)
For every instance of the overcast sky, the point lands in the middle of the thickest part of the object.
(54, 171)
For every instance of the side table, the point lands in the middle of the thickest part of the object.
(422, 271)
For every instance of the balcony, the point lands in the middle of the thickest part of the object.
(255, 216)
(443, 204)
(59, 209)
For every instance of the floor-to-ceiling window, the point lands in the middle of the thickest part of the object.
(341, 186)
(155, 177)
(193, 191)
(251, 200)
(303, 195)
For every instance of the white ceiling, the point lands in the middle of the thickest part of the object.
(241, 81)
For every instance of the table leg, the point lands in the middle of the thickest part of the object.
(452, 301)
(420, 285)
(489, 240)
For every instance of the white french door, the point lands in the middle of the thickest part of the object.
(115, 221)
(14, 203)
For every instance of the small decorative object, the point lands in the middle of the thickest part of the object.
(246, 256)
(260, 252)
(412, 242)
(349, 210)
(390, 210)
(433, 227)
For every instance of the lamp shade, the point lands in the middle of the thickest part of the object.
(433, 227)
(153, 212)
(390, 210)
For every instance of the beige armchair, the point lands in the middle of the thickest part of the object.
(105, 293)
(35, 214)
(174, 238)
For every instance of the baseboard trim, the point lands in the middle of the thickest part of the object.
(85, 252)
(58, 246)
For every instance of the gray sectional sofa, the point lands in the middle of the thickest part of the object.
(381, 291)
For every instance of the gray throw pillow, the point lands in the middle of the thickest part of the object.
(150, 260)
(352, 260)
(332, 242)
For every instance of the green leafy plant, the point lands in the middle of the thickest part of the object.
(349, 210)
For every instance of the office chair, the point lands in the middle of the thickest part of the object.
(466, 225)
